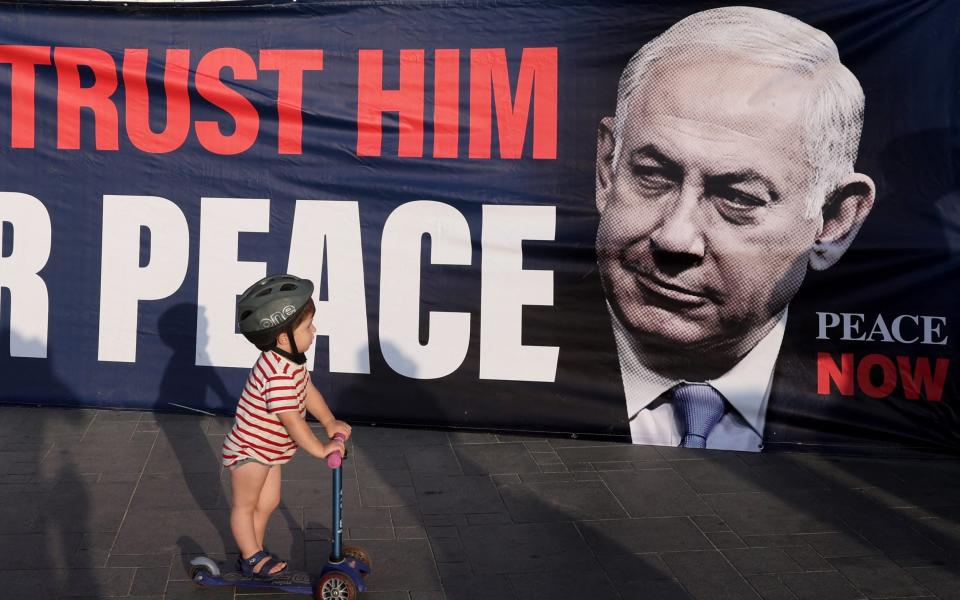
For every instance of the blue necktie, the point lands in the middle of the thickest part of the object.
(697, 407)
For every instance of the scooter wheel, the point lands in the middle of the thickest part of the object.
(360, 555)
(203, 564)
(335, 586)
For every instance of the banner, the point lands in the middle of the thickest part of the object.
(667, 223)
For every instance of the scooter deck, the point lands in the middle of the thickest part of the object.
(296, 583)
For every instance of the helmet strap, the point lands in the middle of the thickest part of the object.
(294, 355)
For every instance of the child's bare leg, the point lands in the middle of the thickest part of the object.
(246, 483)
(267, 503)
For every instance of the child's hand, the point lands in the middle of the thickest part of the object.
(335, 427)
(334, 446)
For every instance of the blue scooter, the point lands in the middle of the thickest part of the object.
(342, 577)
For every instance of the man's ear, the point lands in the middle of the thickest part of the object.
(605, 145)
(844, 211)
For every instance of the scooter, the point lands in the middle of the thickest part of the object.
(342, 577)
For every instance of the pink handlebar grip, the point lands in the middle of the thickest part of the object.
(334, 460)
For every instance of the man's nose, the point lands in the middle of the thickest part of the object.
(679, 236)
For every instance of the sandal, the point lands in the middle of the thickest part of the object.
(264, 572)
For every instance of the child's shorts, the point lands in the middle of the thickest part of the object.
(244, 461)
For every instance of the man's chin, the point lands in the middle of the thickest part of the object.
(657, 329)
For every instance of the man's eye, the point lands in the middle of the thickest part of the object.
(740, 199)
(653, 177)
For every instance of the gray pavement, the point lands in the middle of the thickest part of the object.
(102, 504)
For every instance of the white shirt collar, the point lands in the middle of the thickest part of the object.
(746, 386)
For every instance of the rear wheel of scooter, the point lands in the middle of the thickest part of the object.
(335, 586)
(203, 564)
(360, 555)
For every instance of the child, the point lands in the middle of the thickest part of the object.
(276, 315)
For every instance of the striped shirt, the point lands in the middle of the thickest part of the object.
(275, 385)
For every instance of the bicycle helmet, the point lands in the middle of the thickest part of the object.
(271, 306)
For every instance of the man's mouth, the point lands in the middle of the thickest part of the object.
(673, 292)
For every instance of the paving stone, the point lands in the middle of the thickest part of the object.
(942, 580)
(530, 548)
(759, 513)
(707, 575)
(140, 560)
(96, 583)
(471, 437)
(17, 584)
(488, 519)
(539, 447)
(539, 477)
(377, 458)
(94, 458)
(457, 494)
(710, 523)
(568, 585)
(427, 595)
(467, 586)
(807, 558)
(495, 458)
(607, 453)
(405, 516)
(560, 501)
(388, 478)
(723, 540)
(149, 581)
(370, 533)
(760, 561)
(443, 531)
(185, 455)
(432, 459)
(387, 496)
(546, 458)
(837, 544)
(25, 551)
(384, 436)
(769, 587)
(177, 491)
(878, 577)
(656, 590)
(722, 476)
(411, 533)
(160, 531)
(819, 586)
(187, 590)
(447, 550)
(672, 534)
(659, 493)
(623, 567)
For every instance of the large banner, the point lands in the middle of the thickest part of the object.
(675, 223)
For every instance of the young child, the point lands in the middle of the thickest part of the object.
(276, 315)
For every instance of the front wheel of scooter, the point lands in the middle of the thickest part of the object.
(335, 586)
(360, 555)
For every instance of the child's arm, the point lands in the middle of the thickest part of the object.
(317, 407)
(301, 433)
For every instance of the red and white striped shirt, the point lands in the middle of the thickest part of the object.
(275, 385)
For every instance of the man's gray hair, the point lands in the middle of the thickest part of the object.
(833, 109)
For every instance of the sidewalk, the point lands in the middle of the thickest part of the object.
(115, 503)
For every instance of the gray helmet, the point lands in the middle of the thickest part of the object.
(271, 306)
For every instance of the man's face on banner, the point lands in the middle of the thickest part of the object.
(704, 235)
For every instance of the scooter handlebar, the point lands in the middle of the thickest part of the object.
(335, 459)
